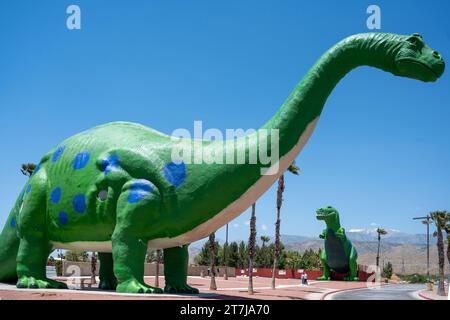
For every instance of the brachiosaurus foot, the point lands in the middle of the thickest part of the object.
(180, 288)
(134, 286)
(34, 283)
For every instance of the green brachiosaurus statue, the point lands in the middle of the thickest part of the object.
(339, 255)
(116, 189)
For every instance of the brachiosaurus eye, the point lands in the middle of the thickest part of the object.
(412, 40)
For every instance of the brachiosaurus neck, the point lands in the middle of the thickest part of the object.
(304, 105)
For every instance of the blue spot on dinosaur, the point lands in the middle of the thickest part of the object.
(80, 161)
(110, 164)
(56, 195)
(28, 189)
(139, 190)
(63, 218)
(12, 223)
(79, 203)
(175, 173)
(58, 153)
(36, 169)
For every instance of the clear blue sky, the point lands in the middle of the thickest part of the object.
(380, 153)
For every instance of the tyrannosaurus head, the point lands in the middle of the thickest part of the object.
(328, 214)
(416, 60)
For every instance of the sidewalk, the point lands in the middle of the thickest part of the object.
(233, 289)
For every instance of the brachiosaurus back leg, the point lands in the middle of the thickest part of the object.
(137, 207)
(108, 280)
(175, 270)
(34, 246)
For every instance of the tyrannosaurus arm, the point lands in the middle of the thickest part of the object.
(340, 233)
(323, 235)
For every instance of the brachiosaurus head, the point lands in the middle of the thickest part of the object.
(416, 60)
(327, 214)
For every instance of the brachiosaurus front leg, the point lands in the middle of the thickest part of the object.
(137, 209)
(175, 270)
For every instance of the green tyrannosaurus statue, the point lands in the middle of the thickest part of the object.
(118, 190)
(339, 255)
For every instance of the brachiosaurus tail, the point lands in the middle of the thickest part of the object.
(9, 244)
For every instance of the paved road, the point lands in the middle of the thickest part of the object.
(388, 292)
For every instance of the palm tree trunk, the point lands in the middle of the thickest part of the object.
(225, 258)
(158, 259)
(378, 251)
(440, 245)
(448, 253)
(277, 228)
(212, 247)
(93, 267)
(251, 249)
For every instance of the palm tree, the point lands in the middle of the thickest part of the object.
(212, 252)
(264, 240)
(225, 257)
(157, 260)
(439, 218)
(28, 169)
(293, 260)
(251, 248)
(381, 232)
(295, 170)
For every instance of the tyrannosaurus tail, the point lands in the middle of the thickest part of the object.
(9, 245)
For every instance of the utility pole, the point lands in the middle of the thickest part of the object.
(426, 220)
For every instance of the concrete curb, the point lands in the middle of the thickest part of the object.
(420, 294)
(426, 297)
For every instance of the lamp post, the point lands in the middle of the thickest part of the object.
(426, 220)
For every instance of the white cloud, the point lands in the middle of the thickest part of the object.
(247, 222)
(356, 230)
(236, 225)
(263, 227)
(373, 224)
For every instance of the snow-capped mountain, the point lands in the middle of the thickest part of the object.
(370, 235)
(357, 235)
(392, 236)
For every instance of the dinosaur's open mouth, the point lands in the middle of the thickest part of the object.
(321, 214)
